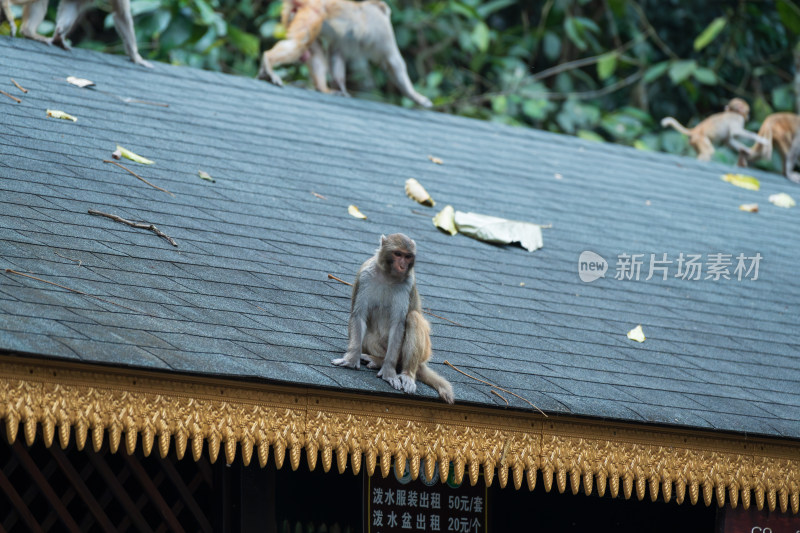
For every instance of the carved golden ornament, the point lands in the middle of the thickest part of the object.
(217, 416)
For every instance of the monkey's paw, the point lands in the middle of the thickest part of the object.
(139, 60)
(344, 361)
(394, 381)
(409, 385)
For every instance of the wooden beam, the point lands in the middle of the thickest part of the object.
(18, 503)
(188, 497)
(155, 494)
(119, 492)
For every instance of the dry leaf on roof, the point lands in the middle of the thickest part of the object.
(750, 208)
(354, 212)
(417, 192)
(445, 220)
(318, 195)
(636, 334)
(127, 154)
(782, 200)
(80, 82)
(499, 230)
(435, 160)
(55, 113)
(740, 180)
(205, 176)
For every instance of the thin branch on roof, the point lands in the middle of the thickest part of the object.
(139, 225)
(427, 312)
(17, 100)
(10, 271)
(331, 276)
(448, 363)
(500, 396)
(146, 102)
(318, 195)
(123, 167)
(20, 87)
(71, 259)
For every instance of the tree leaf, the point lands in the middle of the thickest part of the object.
(205, 176)
(354, 212)
(680, 70)
(248, 43)
(480, 36)
(710, 33)
(606, 65)
(740, 180)
(782, 199)
(790, 15)
(706, 76)
(79, 82)
(656, 71)
(636, 334)
(417, 192)
(574, 30)
(127, 154)
(445, 220)
(60, 114)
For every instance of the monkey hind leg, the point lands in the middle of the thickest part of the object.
(415, 351)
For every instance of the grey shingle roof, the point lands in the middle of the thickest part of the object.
(246, 292)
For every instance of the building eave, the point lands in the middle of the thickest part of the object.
(209, 415)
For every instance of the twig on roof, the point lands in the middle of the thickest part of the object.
(71, 259)
(10, 271)
(123, 167)
(128, 100)
(20, 87)
(331, 276)
(448, 363)
(318, 195)
(499, 395)
(443, 318)
(17, 100)
(139, 225)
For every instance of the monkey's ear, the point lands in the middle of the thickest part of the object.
(383, 240)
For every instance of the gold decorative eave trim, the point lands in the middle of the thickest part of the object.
(92, 401)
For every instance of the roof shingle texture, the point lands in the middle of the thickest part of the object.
(246, 293)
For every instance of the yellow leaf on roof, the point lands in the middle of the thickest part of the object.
(60, 114)
(354, 212)
(750, 208)
(636, 334)
(127, 154)
(740, 180)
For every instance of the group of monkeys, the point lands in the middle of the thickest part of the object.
(780, 129)
(326, 34)
(386, 328)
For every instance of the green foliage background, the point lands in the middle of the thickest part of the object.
(606, 70)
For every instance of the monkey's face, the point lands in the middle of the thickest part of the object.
(402, 261)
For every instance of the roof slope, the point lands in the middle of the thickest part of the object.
(246, 293)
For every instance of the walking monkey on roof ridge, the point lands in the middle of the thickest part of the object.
(781, 130)
(352, 30)
(718, 128)
(386, 327)
(67, 15)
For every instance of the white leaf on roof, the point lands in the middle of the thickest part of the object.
(127, 154)
(445, 220)
(636, 334)
(417, 192)
(80, 82)
(750, 208)
(782, 199)
(354, 212)
(499, 230)
(55, 113)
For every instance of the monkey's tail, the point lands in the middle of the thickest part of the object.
(431, 378)
(763, 150)
(669, 121)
